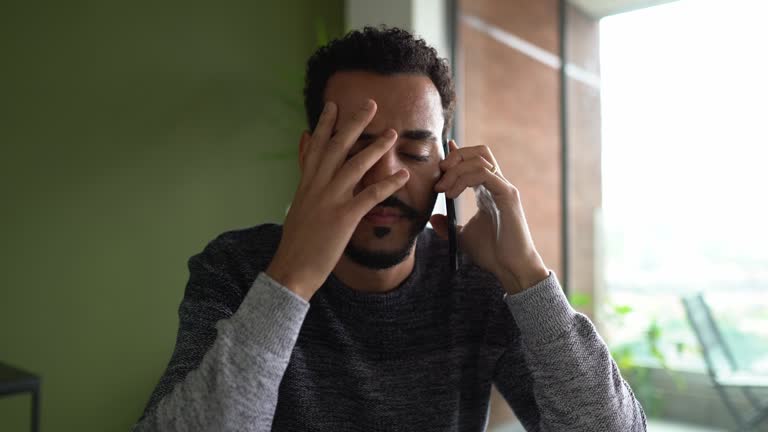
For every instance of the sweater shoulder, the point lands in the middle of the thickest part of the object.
(232, 260)
(249, 248)
(256, 239)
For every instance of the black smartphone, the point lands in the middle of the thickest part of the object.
(453, 255)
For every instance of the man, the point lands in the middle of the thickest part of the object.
(347, 317)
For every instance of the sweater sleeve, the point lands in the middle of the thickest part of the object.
(229, 359)
(560, 376)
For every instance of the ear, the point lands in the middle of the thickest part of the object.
(303, 143)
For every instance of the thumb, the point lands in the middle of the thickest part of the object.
(440, 224)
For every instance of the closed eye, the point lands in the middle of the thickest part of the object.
(418, 158)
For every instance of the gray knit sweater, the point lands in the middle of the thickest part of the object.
(251, 355)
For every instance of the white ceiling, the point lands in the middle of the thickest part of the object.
(601, 8)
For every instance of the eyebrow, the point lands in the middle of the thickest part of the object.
(411, 134)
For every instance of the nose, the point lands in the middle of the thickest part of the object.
(388, 165)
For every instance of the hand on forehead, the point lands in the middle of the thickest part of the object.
(403, 101)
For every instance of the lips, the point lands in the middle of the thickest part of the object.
(381, 215)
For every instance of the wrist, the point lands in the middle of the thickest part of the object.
(533, 276)
(516, 281)
(289, 279)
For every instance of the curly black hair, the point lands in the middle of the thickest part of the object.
(381, 50)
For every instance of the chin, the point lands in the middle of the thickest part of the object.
(379, 253)
(391, 243)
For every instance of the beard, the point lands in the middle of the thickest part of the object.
(381, 260)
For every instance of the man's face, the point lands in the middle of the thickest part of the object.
(410, 104)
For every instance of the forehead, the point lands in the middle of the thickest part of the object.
(404, 101)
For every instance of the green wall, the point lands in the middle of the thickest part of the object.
(131, 134)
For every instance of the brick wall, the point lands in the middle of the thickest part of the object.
(509, 99)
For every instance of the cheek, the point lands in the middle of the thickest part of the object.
(432, 177)
(421, 185)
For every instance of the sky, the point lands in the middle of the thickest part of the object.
(685, 142)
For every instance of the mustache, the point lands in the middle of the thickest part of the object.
(408, 211)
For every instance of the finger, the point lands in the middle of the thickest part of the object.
(495, 184)
(452, 145)
(371, 196)
(452, 155)
(355, 168)
(449, 178)
(320, 136)
(440, 225)
(338, 146)
(465, 153)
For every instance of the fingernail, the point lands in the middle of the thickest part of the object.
(368, 105)
(390, 133)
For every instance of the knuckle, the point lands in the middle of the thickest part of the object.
(479, 161)
(335, 143)
(359, 117)
(356, 166)
(376, 190)
(363, 201)
(384, 142)
(315, 141)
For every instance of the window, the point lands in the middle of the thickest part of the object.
(685, 172)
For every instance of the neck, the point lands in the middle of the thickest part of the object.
(365, 279)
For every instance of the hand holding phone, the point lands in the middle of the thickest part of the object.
(453, 256)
